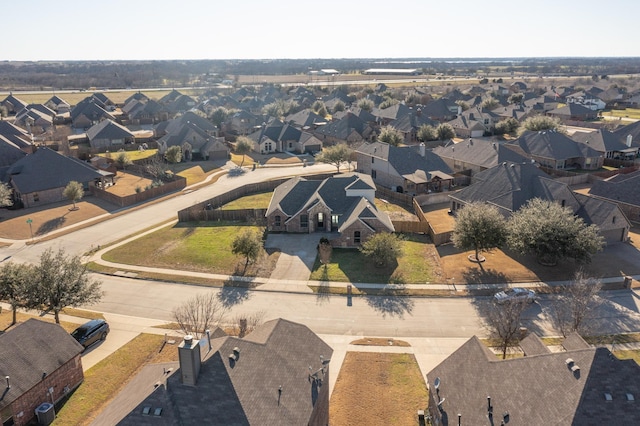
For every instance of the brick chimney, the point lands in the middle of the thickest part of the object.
(189, 356)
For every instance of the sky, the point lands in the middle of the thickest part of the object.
(294, 29)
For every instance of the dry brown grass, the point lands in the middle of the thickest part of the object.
(126, 184)
(377, 341)
(13, 223)
(378, 389)
(6, 317)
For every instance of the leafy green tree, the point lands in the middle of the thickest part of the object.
(445, 131)
(335, 155)
(244, 145)
(123, 160)
(219, 116)
(73, 192)
(15, 284)
(249, 245)
(479, 227)
(383, 248)
(516, 98)
(427, 133)
(173, 154)
(542, 122)
(5, 195)
(509, 126)
(552, 232)
(388, 102)
(462, 104)
(338, 107)
(60, 281)
(319, 108)
(490, 103)
(365, 104)
(391, 136)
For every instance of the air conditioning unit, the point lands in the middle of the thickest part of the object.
(46, 413)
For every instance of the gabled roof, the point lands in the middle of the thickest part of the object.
(480, 152)
(170, 97)
(572, 110)
(14, 134)
(108, 129)
(16, 103)
(538, 390)
(439, 108)
(553, 145)
(29, 350)
(601, 140)
(91, 110)
(47, 169)
(632, 129)
(394, 112)
(344, 127)
(174, 126)
(304, 118)
(620, 188)
(407, 160)
(412, 121)
(9, 152)
(276, 355)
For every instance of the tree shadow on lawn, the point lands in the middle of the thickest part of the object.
(324, 291)
(51, 225)
(533, 318)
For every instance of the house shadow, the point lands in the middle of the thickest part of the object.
(231, 295)
(390, 301)
(627, 299)
(51, 225)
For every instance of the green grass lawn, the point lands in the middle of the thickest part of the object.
(254, 201)
(349, 265)
(201, 247)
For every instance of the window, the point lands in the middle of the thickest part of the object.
(277, 221)
(36, 197)
(356, 237)
(373, 174)
(373, 160)
(613, 220)
(563, 203)
(334, 220)
(304, 221)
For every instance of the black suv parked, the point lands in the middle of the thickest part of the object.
(89, 333)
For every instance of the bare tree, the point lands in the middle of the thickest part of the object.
(5, 195)
(246, 323)
(200, 313)
(574, 306)
(503, 321)
(156, 167)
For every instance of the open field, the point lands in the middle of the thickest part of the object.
(378, 389)
(632, 113)
(201, 247)
(117, 97)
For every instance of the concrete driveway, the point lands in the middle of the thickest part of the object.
(298, 253)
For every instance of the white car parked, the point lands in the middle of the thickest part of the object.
(515, 294)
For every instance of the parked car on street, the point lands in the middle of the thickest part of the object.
(515, 294)
(91, 332)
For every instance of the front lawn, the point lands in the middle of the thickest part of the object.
(378, 389)
(254, 201)
(349, 265)
(200, 247)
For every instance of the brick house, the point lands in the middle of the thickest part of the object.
(41, 363)
(342, 205)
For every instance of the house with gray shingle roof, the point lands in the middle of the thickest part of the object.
(409, 124)
(579, 386)
(17, 136)
(573, 112)
(556, 151)
(621, 189)
(40, 178)
(41, 363)
(609, 144)
(108, 133)
(474, 155)
(343, 205)
(350, 129)
(276, 375)
(12, 104)
(408, 169)
(509, 186)
(285, 138)
(88, 112)
(59, 105)
(305, 119)
(632, 130)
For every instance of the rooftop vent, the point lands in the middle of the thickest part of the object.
(575, 368)
(236, 350)
(569, 361)
(146, 411)
(608, 397)
(233, 357)
(157, 411)
(630, 397)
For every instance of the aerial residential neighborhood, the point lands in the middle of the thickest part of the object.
(290, 213)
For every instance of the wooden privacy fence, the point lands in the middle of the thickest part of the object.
(139, 197)
(240, 215)
(412, 226)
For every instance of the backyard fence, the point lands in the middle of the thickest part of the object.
(139, 197)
